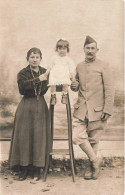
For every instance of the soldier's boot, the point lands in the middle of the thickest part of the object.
(96, 165)
(88, 172)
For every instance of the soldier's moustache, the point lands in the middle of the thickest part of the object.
(89, 54)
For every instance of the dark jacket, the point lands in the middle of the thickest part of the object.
(26, 82)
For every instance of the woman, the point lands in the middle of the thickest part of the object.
(31, 124)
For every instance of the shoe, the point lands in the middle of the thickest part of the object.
(37, 174)
(23, 174)
(96, 165)
(64, 99)
(32, 173)
(88, 172)
(53, 99)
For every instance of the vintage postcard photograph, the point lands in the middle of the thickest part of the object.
(62, 97)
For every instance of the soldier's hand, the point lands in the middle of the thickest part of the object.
(105, 116)
(74, 85)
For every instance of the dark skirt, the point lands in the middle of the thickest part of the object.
(31, 133)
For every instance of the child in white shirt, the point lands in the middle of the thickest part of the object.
(61, 71)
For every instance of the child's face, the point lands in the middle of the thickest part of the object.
(62, 51)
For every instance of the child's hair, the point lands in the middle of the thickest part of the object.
(62, 43)
(34, 50)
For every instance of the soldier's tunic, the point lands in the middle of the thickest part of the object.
(96, 95)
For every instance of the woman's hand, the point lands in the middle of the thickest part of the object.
(43, 77)
(75, 85)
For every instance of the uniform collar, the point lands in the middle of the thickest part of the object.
(89, 61)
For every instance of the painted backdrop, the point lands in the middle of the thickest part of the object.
(40, 23)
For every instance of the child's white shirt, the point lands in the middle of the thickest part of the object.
(61, 69)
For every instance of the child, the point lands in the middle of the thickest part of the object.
(61, 70)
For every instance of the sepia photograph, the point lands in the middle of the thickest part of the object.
(62, 97)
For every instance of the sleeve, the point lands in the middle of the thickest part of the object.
(77, 80)
(77, 76)
(44, 85)
(24, 83)
(50, 65)
(108, 84)
(72, 67)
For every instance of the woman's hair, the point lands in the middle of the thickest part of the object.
(62, 43)
(34, 50)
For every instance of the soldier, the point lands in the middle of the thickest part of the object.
(94, 105)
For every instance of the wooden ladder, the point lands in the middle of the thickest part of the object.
(68, 151)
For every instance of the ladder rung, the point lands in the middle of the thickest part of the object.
(5, 139)
(60, 138)
(60, 152)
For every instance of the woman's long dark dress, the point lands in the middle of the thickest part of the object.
(31, 124)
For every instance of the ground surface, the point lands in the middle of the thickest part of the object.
(59, 182)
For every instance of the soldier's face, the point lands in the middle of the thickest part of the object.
(90, 50)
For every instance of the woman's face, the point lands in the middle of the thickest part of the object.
(34, 59)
